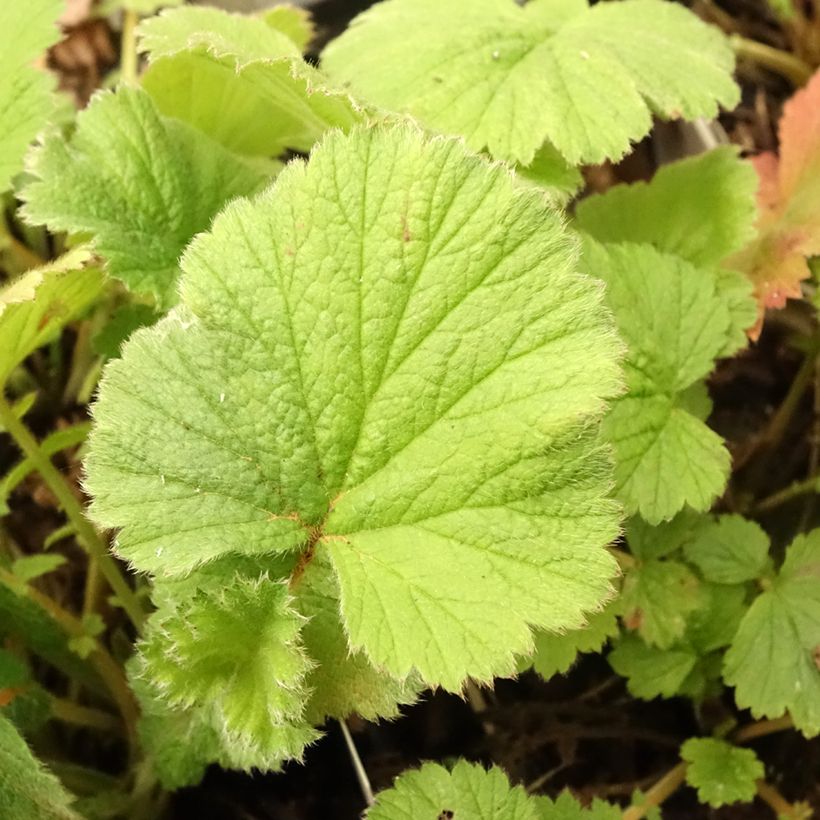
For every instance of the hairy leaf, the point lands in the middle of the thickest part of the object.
(509, 77)
(789, 203)
(721, 773)
(240, 80)
(25, 92)
(27, 789)
(566, 807)
(139, 184)
(674, 324)
(772, 662)
(390, 415)
(35, 307)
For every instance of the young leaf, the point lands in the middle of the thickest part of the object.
(772, 662)
(140, 184)
(674, 324)
(721, 773)
(549, 170)
(652, 672)
(36, 307)
(27, 789)
(729, 550)
(509, 77)
(789, 203)
(25, 92)
(468, 791)
(239, 80)
(388, 360)
(30, 567)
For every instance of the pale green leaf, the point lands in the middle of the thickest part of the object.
(240, 81)
(468, 792)
(140, 6)
(433, 435)
(556, 652)
(30, 567)
(27, 789)
(656, 598)
(722, 773)
(566, 807)
(509, 76)
(140, 184)
(35, 307)
(652, 672)
(772, 662)
(550, 171)
(729, 550)
(26, 31)
(294, 21)
(674, 324)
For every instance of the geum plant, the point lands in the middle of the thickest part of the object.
(393, 408)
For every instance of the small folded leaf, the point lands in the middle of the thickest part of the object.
(721, 773)
(35, 307)
(468, 791)
(240, 80)
(729, 550)
(772, 662)
(27, 788)
(422, 376)
(140, 184)
(789, 206)
(25, 92)
(508, 76)
(675, 324)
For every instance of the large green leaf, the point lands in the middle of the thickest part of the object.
(772, 662)
(140, 184)
(26, 31)
(721, 773)
(510, 76)
(240, 80)
(27, 789)
(387, 361)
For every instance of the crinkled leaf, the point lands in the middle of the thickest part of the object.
(566, 807)
(674, 324)
(772, 662)
(508, 76)
(722, 773)
(652, 672)
(556, 652)
(35, 307)
(240, 81)
(788, 203)
(468, 792)
(656, 598)
(140, 184)
(27, 789)
(26, 103)
(729, 550)
(434, 435)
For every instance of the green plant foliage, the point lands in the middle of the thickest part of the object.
(27, 789)
(469, 792)
(240, 80)
(25, 92)
(35, 307)
(419, 421)
(721, 773)
(729, 550)
(772, 662)
(167, 184)
(510, 77)
(652, 672)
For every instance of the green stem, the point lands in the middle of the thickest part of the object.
(762, 728)
(70, 712)
(781, 62)
(107, 668)
(792, 491)
(665, 787)
(128, 46)
(87, 535)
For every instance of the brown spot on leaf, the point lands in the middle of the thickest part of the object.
(446, 814)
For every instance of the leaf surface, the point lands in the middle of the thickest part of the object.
(141, 185)
(25, 92)
(722, 773)
(423, 372)
(729, 550)
(509, 77)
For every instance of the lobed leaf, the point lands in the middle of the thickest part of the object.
(721, 773)
(140, 184)
(729, 550)
(423, 371)
(509, 77)
(25, 92)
